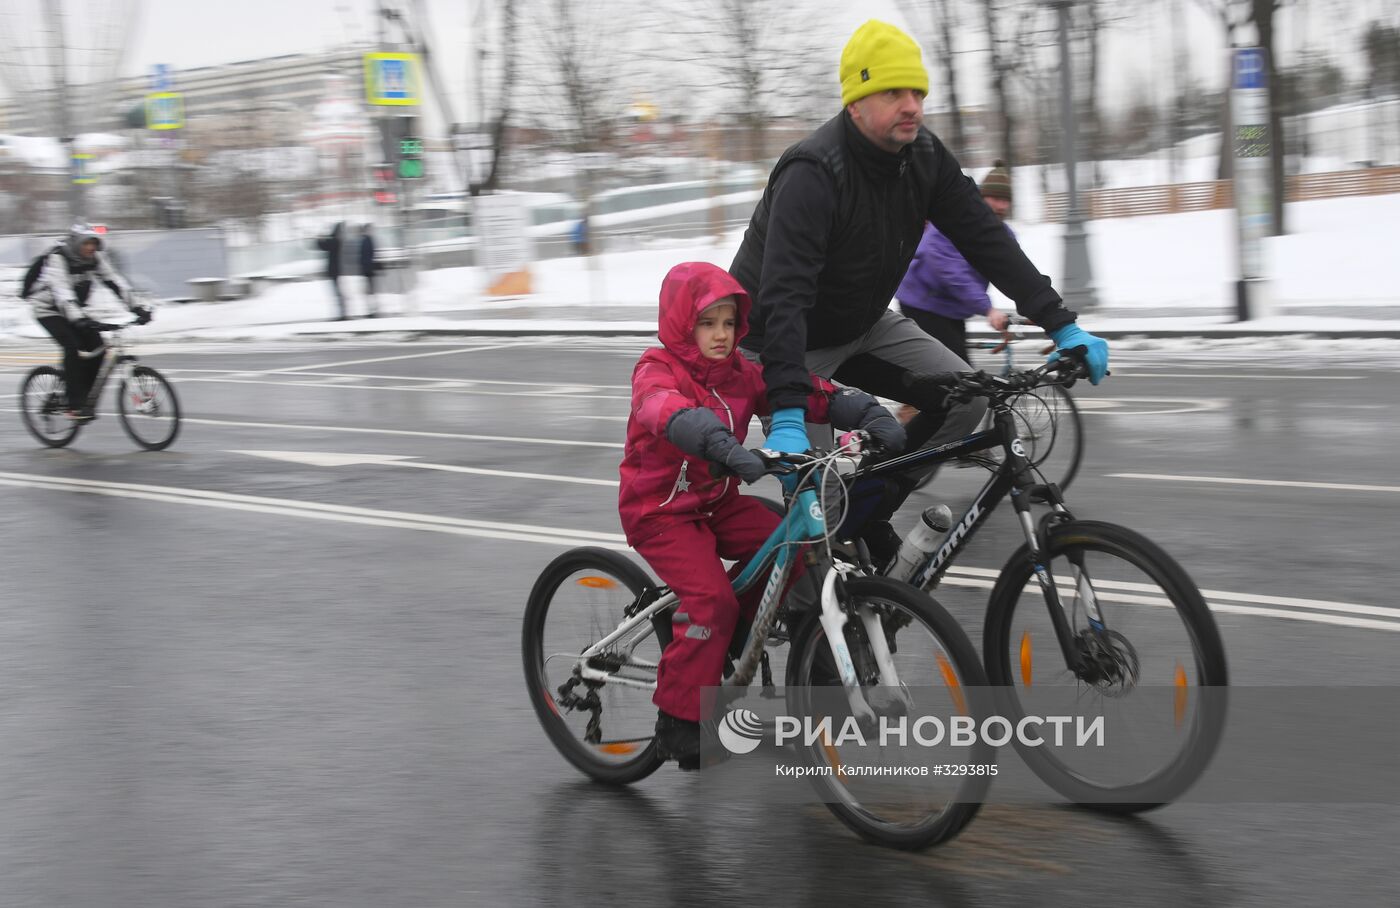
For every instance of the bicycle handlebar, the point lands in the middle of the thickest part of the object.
(783, 463)
(1069, 367)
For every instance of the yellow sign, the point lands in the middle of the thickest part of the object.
(165, 110)
(81, 174)
(392, 79)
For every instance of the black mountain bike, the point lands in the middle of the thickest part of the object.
(1085, 615)
(146, 403)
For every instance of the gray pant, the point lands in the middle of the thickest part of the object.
(875, 361)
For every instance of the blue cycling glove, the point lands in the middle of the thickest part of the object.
(788, 432)
(1069, 336)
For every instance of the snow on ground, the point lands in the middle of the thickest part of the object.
(1152, 274)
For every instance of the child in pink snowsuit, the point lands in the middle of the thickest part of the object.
(692, 401)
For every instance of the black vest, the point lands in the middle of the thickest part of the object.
(882, 201)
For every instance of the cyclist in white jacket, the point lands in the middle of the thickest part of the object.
(58, 287)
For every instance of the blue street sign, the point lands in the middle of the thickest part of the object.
(165, 110)
(1249, 68)
(160, 77)
(391, 79)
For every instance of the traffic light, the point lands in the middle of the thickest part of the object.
(402, 146)
(410, 158)
(384, 192)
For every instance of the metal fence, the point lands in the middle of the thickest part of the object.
(1136, 201)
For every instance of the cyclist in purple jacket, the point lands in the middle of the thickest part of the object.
(941, 290)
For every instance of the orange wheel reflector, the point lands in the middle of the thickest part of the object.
(1179, 706)
(598, 583)
(950, 678)
(831, 756)
(553, 707)
(621, 748)
(1026, 658)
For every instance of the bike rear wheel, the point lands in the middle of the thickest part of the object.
(43, 404)
(1158, 676)
(933, 658)
(580, 598)
(149, 409)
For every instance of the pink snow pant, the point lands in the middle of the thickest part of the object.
(686, 556)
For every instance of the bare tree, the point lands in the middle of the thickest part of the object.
(1230, 14)
(1233, 15)
(935, 22)
(510, 32)
(1095, 19)
(1015, 30)
(1002, 63)
(579, 70)
(1263, 12)
(1381, 44)
(759, 54)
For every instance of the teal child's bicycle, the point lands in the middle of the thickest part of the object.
(596, 625)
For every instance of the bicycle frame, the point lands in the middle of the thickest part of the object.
(118, 357)
(1016, 477)
(804, 522)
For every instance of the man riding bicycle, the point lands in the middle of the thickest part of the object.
(58, 286)
(832, 237)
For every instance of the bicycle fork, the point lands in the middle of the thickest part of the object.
(892, 698)
(1084, 596)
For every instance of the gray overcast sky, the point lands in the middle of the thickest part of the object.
(186, 33)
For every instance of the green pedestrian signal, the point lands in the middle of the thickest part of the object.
(410, 158)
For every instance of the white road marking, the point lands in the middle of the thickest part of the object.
(1092, 404)
(464, 381)
(1239, 481)
(567, 391)
(1308, 610)
(314, 510)
(385, 359)
(1319, 605)
(328, 459)
(562, 442)
(406, 433)
(1108, 593)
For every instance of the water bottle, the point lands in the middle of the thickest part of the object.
(921, 541)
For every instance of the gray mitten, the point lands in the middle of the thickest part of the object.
(698, 431)
(747, 465)
(852, 408)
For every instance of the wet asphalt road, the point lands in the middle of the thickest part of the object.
(236, 680)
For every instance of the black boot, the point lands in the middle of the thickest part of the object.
(678, 739)
(882, 542)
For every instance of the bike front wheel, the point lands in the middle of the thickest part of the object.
(604, 728)
(149, 409)
(43, 405)
(1152, 669)
(937, 664)
(1051, 429)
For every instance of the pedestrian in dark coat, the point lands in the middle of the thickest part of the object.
(369, 268)
(331, 245)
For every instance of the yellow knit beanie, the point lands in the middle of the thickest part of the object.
(880, 56)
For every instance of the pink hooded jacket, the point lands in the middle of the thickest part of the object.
(660, 482)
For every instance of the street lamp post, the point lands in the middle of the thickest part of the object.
(1077, 285)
